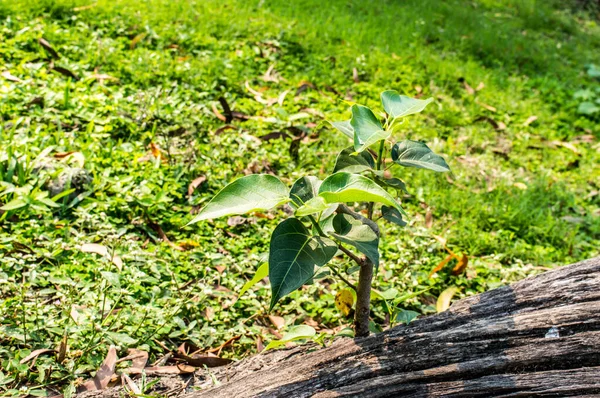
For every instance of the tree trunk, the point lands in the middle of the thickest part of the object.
(537, 337)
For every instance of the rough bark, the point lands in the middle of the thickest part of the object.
(537, 337)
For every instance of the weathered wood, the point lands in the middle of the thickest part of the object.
(537, 337)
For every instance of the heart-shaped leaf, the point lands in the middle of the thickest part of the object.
(367, 128)
(345, 187)
(406, 316)
(410, 153)
(293, 255)
(344, 127)
(400, 105)
(350, 161)
(250, 193)
(357, 234)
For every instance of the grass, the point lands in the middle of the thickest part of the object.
(523, 196)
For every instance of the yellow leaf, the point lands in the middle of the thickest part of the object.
(461, 266)
(520, 185)
(155, 149)
(344, 301)
(443, 301)
(441, 264)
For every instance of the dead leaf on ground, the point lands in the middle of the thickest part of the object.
(48, 47)
(162, 236)
(461, 266)
(277, 321)
(103, 375)
(166, 370)
(225, 344)
(199, 359)
(355, 75)
(468, 88)
(236, 220)
(428, 218)
(480, 86)
(103, 251)
(486, 106)
(131, 384)
(64, 71)
(36, 353)
(530, 120)
(443, 301)
(303, 86)
(195, 184)
(9, 77)
(259, 344)
(62, 349)
(221, 268)
(218, 114)
(441, 265)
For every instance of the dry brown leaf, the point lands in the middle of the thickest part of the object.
(259, 344)
(62, 349)
(102, 77)
(486, 106)
(36, 353)
(225, 344)
(461, 266)
(468, 88)
(9, 77)
(428, 218)
(64, 71)
(44, 43)
(441, 265)
(277, 321)
(355, 75)
(218, 114)
(418, 89)
(167, 370)
(480, 86)
(103, 251)
(83, 8)
(530, 120)
(131, 384)
(220, 268)
(103, 375)
(195, 184)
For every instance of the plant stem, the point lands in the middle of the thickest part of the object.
(353, 256)
(336, 273)
(316, 225)
(365, 276)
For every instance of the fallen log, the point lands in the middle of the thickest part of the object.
(537, 337)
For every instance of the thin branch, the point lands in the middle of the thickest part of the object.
(342, 278)
(357, 216)
(353, 256)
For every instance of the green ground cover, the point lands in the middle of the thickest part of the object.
(134, 80)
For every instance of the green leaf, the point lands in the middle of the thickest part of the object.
(389, 294)
(344, 127)
(14, 204)
(121, 338)
(112, 278)
(353, 162)
(346, 187)
(392, 215)
(390, 182)
(293, 255)
(416, 154)
(261, 273)
(314, 205)
(297, 332)
(303, 190)
(588, 108)
(247, 194)
(355, 233)
(400, 105)
(367, 128)
(406, 316)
